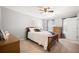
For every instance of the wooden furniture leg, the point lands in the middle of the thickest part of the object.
(57, 39)
(49, 43)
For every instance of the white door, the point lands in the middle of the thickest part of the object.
(70, 28)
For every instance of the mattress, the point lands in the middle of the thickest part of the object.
(40, 37)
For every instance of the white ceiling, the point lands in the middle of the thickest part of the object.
(59, 11)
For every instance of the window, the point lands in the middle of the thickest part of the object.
(51, 23)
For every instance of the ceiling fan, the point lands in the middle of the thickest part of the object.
(46, 9)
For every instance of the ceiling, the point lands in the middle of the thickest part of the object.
(59, 11)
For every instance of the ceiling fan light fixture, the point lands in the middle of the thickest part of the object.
(45, 9)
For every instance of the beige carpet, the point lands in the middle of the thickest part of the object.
(63, 46)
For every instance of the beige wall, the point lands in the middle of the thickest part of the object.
(0, 17)
(16, 22)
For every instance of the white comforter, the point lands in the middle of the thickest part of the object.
(40, 37)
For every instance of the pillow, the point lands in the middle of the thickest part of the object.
(1, 35)
(53, 33)
(37, 30)
(31, 29)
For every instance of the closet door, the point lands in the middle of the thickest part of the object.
(70, 28)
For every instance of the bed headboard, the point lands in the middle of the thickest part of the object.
(28, 30)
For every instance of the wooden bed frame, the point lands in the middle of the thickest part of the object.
(51, 40)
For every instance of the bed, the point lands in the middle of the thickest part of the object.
(43, 38)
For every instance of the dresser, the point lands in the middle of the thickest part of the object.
(58, 30)
(11, 45)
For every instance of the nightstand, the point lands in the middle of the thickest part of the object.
(11, 45)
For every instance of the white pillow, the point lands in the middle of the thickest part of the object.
(32, 29)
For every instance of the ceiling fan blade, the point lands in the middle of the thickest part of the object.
(41, 9)
(50, 11)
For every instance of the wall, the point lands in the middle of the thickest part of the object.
(0, 17)
(58, 22)
(16, 22)
(78, 26)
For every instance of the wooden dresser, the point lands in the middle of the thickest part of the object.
(58, 30)
(11, 45)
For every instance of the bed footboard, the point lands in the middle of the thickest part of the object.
(51, 41)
